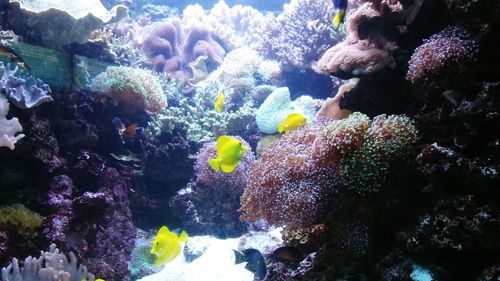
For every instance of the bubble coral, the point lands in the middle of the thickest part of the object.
(443, 52)
(133, 89)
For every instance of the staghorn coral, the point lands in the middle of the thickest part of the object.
(133, 89)
(20, 218)
(443, 56)
(209, 203)
(51, 265)
(297, 178)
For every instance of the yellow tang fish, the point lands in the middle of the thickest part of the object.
(229, 153)
(219, 103)
(292, 122)
(338, 18)
(99, 279)
(167, 245)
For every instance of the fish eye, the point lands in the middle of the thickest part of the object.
(157, 243)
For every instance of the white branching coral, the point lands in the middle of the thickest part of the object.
(50, 266)
(9, 128)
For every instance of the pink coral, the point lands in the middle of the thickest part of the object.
(444, 51)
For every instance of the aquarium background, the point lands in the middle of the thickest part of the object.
(249, 140)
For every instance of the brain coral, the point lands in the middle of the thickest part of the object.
(133, 89)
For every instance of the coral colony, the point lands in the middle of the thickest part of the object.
(293, 140)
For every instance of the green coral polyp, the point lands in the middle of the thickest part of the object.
(133, 89)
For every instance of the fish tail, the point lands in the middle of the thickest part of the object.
(183, 237)
(339, 18)
(281, 128)
(214, 163)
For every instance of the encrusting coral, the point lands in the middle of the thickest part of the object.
(133, 89)
(298, 177)
(51, 265)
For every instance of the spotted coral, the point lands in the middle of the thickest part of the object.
(133, 89)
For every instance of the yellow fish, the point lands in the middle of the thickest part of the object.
(292, 122)
(99, 279)
(338, 18)
(166, 245)
(219, 103)
(229, 153)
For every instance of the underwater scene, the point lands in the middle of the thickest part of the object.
(249, 140)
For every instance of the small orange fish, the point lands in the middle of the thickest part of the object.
(130, 131)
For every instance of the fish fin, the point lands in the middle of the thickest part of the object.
(339, 18)
(239, 257)
(163, 230)
(214, 163)
(281, 128)
(226, 168)
(183, 237)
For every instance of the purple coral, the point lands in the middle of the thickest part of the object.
(24, 93)
(443, 52)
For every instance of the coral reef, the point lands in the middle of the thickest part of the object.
(210, 202)
(132, 89)
(102, 218)
(51, 265)
(300, 34)
(304, 170)
(56, 23)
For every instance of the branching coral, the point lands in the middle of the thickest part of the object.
(300, 34)
(51, 265)
(295, 180)
(9, 128)
(444, 53)
(132, 89)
